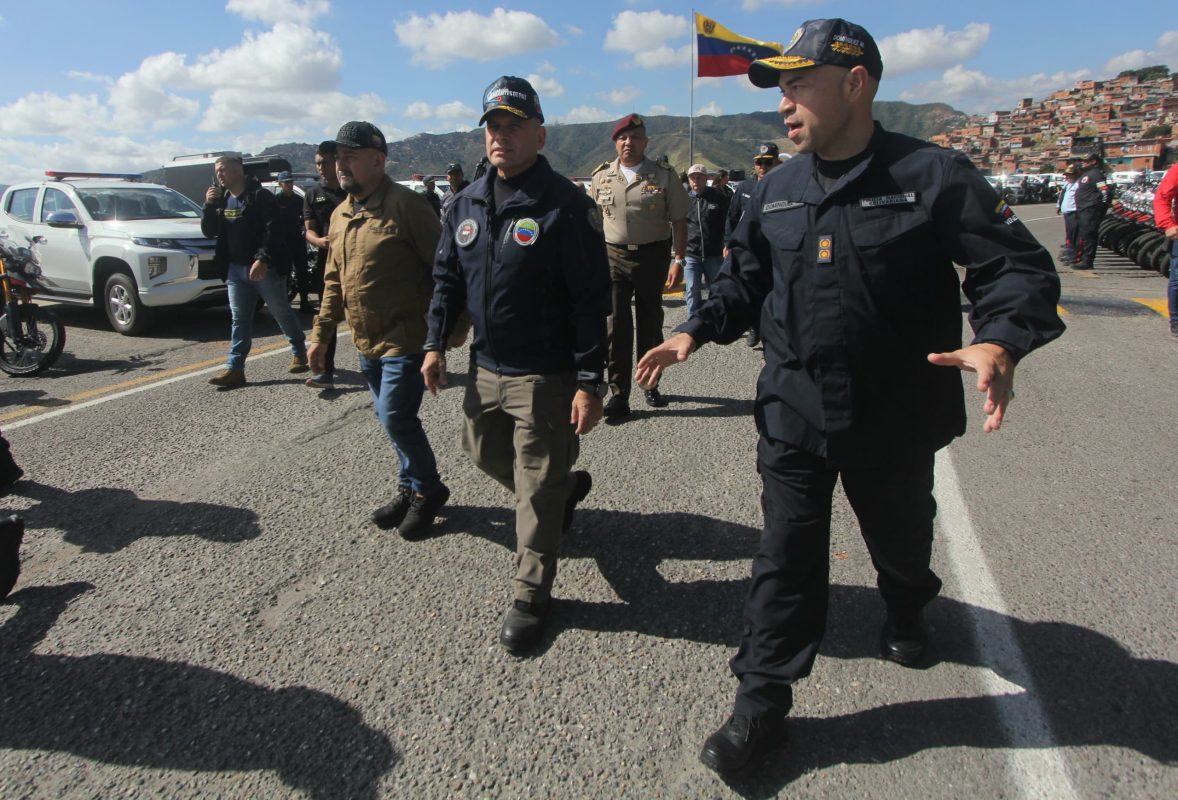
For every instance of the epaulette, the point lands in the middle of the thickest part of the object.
(604, 165)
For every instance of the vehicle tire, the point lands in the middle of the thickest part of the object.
(1147, 258)
(127, 314)
(37, 353)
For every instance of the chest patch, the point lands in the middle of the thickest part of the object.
(468, 231)
(904, 198)
(825, 249)
(526, 232)
(779, 205)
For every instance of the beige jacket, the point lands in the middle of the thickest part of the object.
(379, 271)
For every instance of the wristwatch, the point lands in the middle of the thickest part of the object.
(598, 389)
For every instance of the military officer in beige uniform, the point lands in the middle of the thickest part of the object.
(644, 211)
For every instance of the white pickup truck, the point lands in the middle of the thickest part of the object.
(111, 241)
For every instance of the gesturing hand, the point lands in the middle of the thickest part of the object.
(995, 370)
(674, 350)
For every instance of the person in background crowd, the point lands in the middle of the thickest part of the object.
(644, 210)
(720, 183)
(522, 252)
(1066, 205)
(458, 182)
(848, 254)
(1165, 213)
(1093, 198)
(241, 215)
(431, 194)
(318, 206)
(767, 158)
(705, 235)
(294, 243)
(382, 243)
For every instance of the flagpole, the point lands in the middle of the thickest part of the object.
(691, 92)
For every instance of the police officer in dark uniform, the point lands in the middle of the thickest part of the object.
(1093, 198)
(522, 250)
(458, 182)
(317, 207)
(767, 158)
(847, 251)
(294, 246)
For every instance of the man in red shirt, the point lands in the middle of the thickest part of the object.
(1165, 208)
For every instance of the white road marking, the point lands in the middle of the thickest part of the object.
(59, 412)
(1035, 763)
(1040, 219)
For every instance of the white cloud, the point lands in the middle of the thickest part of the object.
(657, 109)
(25, 161)
(47, 114)
(1165, 52)
(573, 30)
(546, 86)
(645, 36)
(622, 96)
(932, 48)
(976, 92)
(274, 11)
(441, 38)
(455, 110)
(584, 114)
(753, 5)
(419, 110)
(712, 109)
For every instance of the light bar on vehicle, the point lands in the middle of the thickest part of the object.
(56, 175)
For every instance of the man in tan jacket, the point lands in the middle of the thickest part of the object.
(382, 241)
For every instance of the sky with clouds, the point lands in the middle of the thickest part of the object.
(125, 86)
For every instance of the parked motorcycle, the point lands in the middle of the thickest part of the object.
(31, 338)
(1129, 227)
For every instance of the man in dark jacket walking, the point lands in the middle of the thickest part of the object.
(706, 216)
(522, 250)
(240, 215)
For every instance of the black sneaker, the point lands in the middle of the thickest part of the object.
(903, 639)
(582, 483)
(422, 510)
(391, 514)
(12, 530)
(752, 338)
(523, 626)
(617, 407)
(654, 397)
(742, 741)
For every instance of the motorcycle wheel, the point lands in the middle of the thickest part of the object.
(41, 342)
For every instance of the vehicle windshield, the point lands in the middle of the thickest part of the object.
(137, 202)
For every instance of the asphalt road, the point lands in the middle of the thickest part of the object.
(206, 611)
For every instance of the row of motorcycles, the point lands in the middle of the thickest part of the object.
(31, 337)
(1129, 230)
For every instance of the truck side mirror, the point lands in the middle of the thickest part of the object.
(63, 219)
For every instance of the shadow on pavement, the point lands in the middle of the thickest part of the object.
(146, 712)
(107, 520)
(1093, 691)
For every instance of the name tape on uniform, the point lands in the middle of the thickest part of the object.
(902, 199)
(779, 205)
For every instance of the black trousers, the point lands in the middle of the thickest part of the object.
(785, 612)
(1071, 226)
(1087, 232)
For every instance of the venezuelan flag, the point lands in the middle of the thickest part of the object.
(722, 52)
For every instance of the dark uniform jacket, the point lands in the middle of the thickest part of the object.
(533, 275)
(1093, 191)
(706, 218)
(250, 236)
(856, 287)
(290, 223)
(318, 205)
(741, 195)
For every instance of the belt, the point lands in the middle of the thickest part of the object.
(633, 247)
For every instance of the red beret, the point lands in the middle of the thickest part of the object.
(625, 124)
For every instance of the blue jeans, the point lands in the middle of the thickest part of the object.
(243, 301)
(1172, 289)
(397, 388)
(695, 269)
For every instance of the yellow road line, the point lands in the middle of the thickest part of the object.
(102, 391)
(1063, 312)
(1158, 304)
(1084, 273)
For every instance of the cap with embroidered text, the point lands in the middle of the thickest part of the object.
(359, 135)
(834, 42)
(768, 151)
(514, 95)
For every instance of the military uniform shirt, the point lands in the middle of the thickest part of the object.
(640, 212)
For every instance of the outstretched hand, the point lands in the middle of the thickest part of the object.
(433, 369)
(995, 371)
(672, 351)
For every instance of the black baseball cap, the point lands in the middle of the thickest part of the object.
(821, 41)
(516, 95)
(768, 150)
(361, 134)
(326, 148)
(453, 166)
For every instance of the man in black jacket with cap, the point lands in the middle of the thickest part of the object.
(522, 251)
(847, 252)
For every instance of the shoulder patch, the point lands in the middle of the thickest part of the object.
(604, 165)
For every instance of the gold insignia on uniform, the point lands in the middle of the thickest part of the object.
(797, 35)
(825, 249)
(603, 165)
